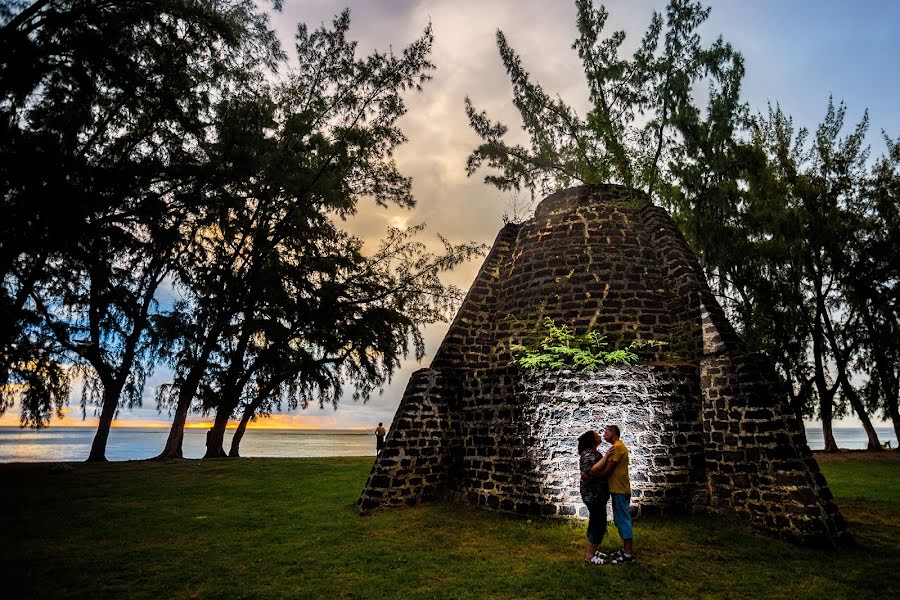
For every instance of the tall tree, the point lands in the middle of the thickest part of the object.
(803, 219)
(639, 107)
(358, 318)
(104, 105)
(311, 147)
(872, 285)
(775, 218)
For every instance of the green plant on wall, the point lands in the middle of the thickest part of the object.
(561, 348)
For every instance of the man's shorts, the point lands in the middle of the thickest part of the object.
(621, 514)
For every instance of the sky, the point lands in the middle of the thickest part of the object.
(796, 53)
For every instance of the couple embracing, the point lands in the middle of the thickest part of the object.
(604, 478)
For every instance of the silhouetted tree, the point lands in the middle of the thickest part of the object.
(872, 285)
(639, 107)
(104, 106)
(278, 295)
(357, 318)
(808, 218)
(783, 227)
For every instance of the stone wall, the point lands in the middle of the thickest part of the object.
(510, 441)
(588, 259)
(691, 302)
(758, 465)
(588, 264)
(704, 423)
(421, 448)
(520, 436)
(468, 341)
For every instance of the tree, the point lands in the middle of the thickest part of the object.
(872, 285)
(366, 310)
(104, 105)
(810, 230)
(640, 107)
(782, 226)
(278, 293)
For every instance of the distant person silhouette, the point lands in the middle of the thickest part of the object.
(379, 437)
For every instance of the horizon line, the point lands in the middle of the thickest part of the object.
(158, 425)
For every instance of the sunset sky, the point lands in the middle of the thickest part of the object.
(796, 53)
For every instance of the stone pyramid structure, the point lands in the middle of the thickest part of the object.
(706, 428)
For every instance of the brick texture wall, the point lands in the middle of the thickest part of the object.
(703, 421)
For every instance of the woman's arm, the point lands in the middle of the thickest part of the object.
(600, 465)
(597, 467)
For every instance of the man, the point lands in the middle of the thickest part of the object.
(379, 437)
(614, 468)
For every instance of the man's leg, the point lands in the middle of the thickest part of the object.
(622, 518)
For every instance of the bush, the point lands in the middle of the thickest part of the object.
(560, 348)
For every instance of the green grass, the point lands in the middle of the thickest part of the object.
(254, 528)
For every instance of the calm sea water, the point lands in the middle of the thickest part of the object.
(133, 443)
(74, 443)
(850, 438)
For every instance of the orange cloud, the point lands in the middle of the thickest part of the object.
(279, 421)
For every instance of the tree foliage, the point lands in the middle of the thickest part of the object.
(791, 229)
(561, 348)
(278, 299)
(643, 107)
(103, 108)
(188, 209)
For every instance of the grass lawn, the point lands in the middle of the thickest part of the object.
(252, 528)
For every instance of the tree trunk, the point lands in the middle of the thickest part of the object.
(826, 401)
(251, 409)
(235, 451)
(242, 427)
(107, 412)
(827, 433)
(890, 390)
(826, 394)
(841, 359)
(895, 418)
(228, 401)
(173, 448)
(860, 410)
(215, 447)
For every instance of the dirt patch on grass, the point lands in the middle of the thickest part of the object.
(861, 456)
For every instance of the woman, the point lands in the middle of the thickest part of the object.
(594, 491)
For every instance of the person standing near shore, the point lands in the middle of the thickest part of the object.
(379, 438)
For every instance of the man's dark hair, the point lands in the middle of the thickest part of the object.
(587, 440)
(380, 424)
(616, 429)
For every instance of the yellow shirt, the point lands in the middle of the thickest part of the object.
(619, 482)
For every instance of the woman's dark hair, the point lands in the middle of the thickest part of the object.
(587, 440)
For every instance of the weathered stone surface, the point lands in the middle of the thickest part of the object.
(706, 429)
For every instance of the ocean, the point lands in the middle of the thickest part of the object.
(133, 443)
